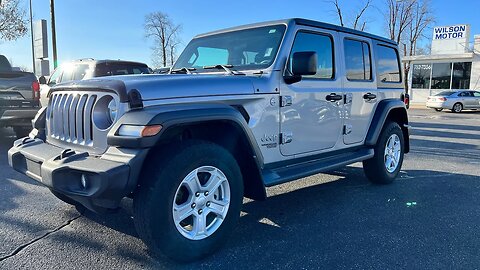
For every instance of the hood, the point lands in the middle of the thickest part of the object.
(152, 87)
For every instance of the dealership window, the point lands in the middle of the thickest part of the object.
(421, 76)
(388, 66)
(461, 75)
(441, 75)
(357, 60)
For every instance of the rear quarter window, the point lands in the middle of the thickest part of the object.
(388, 65)
(112, 69)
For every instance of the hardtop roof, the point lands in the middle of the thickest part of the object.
(305, 22)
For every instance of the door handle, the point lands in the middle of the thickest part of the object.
(369, 96)
(333, 97)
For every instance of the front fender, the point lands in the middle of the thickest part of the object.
(173, 115)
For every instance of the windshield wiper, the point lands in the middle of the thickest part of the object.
(227, 68)
(182, 70)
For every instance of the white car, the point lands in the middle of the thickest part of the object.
(456, 101)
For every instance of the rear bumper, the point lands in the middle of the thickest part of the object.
(437, 105)
(17, 116)
(105, 182)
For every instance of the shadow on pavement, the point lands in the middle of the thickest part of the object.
(351, 222)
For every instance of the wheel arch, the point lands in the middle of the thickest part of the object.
(221, 124)
(389, 110)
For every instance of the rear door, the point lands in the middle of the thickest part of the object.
(359, 86)
(468, 99)
(310, 120)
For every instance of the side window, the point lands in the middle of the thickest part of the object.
(476, 94)
(388, 64)
(68, 73)
(357, 60)
(55, 78)
(322, 45)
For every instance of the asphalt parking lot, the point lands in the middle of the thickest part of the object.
(428, 219)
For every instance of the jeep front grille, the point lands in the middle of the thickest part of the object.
(69, 117)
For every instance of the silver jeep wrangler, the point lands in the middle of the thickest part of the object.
(242, 109)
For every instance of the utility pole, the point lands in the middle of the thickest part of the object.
(54, 35)
(31, 33)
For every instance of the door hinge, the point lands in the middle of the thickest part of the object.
(347, 129)
(286, 101)
(286, 137)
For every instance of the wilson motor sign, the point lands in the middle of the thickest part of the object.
(452, 39)
(449, 32)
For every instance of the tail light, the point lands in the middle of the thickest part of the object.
(36, 90)
(406, 99)
(442, 99)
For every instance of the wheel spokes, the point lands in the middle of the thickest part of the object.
(218, 208)
(181, 212)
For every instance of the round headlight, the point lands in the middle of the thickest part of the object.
(112, 110)
(104, 112)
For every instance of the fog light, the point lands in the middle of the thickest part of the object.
(83, 181)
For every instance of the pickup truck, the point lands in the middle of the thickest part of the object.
(19, 98)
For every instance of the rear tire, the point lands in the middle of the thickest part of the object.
(172, 200)
(387, 161)
(457, 107)
(21, 132)
(438, 110)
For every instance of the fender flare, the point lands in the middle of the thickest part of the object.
(382, 112)
(173, 115)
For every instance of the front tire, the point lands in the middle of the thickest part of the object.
(387, 161)
(189, 201)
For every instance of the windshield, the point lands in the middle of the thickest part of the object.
(244, 49)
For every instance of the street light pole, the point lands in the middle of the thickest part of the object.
(54, 35)
(31, 33)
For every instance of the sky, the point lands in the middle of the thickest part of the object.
(113, 29)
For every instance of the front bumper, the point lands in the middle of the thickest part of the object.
(105, 182)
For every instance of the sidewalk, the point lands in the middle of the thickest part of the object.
(420, 106)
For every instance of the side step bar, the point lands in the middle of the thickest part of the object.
(280, 175)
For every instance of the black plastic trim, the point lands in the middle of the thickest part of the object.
(174, 115)
(99, 85)
(380, 117)
(283, 174)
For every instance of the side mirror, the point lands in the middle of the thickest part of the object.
(42, 80)
(303, 63)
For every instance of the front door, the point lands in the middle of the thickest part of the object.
(310, 113)
(359, 86)
(477, 99)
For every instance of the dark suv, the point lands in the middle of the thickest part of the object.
(84, 69)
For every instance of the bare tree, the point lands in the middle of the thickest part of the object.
(357, 22)
(407, 22)
(165, 32)
(399, 15)
(13, 20)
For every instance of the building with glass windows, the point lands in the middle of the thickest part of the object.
(453, 64)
